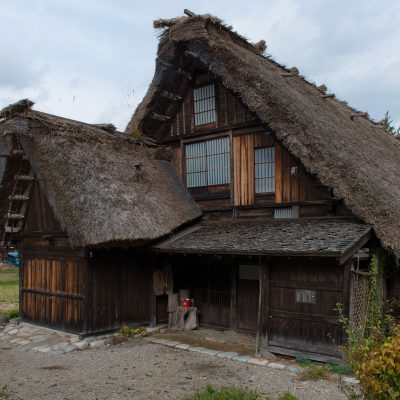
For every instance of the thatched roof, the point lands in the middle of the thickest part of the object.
(321, 238)
(103, 186)
(341, 146)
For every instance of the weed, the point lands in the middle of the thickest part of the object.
(131, 332)
(288, 396)
(226, 393)
(315, 372)
(304, 362)
(339, 369)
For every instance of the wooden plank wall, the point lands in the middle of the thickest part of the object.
(53, 292)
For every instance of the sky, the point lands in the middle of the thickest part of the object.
(93, 60)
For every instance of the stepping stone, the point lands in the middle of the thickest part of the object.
(39, 339)
(351, 380)
(13, 331)
(182, 346)
(98, 343)
(258, 361)
(70, 349)
(81, 345)
(241, 358)
(56, 352)
(209, 352)
(42, 349)
(158, 341)
(23, 342)
(197, 349)
(227, 354)
(294, 370)
(276, 365)
(171, 343)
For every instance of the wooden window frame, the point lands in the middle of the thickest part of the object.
(210, 125)
(255, 167)
(206, 156)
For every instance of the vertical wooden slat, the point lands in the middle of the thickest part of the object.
(236, 169)
(278, 173)
(250, 140)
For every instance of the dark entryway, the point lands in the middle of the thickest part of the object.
(248, 297)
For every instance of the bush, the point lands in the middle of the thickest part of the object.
(131, 332)
(10, 314)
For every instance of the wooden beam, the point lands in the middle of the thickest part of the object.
(328, 95)
(169, 95)
(159, 117)
(25, 178)
(18, 197)
(189, 13)
(14, 216)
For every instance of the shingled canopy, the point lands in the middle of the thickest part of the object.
(342, 147)
(103, 186)
(325, 238)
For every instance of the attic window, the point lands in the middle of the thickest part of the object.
(204, 105)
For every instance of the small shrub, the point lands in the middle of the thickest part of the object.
(288, 396)
(304, 362)
(12, 314)
(315, 372)
(131, 332)
(226, 393)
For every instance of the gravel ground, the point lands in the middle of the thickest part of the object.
(137, 370)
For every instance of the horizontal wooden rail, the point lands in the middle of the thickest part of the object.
(52, 294)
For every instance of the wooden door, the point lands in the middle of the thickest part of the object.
(302, 298)
(248, 297)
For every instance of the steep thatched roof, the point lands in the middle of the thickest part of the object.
(347, 151)
(104, 187)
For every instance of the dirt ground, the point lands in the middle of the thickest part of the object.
(138, 370)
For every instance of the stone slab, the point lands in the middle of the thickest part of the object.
(241, 358)
(258, 361)
(227, 354)
(276, 365)
(182, 346)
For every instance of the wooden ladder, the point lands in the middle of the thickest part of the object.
(18, 202)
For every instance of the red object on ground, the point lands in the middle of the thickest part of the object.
(186, 303)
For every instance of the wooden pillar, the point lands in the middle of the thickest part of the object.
(153, 299)
(233, 310)
(346, 294)
(265, 265)
(88, 296)
(21, 271)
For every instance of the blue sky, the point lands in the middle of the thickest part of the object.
(92, 60)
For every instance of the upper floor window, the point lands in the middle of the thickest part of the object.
(204, 105)
(208, 163)
(264, 164)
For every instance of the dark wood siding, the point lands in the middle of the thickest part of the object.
(53, 292)
(301, 326)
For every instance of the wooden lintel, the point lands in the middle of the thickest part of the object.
(169, 95)
(159, 117)
(361, 115)
(328, 95)
(184, 73)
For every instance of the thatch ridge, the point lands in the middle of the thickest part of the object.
(340, 145)
(103, 187)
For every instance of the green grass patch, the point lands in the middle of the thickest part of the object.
(304, 362)
(339, 369)
(288, 396)
(315, 372)
(226, 393)
(9, 289)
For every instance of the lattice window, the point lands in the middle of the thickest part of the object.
(264, 164)
(204, 105)
(360, 293)
(208, 163)
(217, 290)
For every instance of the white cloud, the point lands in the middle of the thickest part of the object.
(99, 51)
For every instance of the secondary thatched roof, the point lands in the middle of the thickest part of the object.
(347, 151)
(103, 187)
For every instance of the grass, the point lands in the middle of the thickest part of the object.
(314, 371)
(227, 393)
(9, 292)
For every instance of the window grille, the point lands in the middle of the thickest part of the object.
(208, 163)
(204, 105)
(283, 212)
(306, 296)
(264, 164)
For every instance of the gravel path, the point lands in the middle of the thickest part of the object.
(137, 370)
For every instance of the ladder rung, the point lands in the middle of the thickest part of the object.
(14, 216)
(11, 229)
(18, 197)
(26, 178)
(18, 152)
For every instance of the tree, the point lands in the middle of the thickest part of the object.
(389, 126)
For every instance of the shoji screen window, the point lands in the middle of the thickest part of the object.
(204, 105)
(208, 163)
(264, 163)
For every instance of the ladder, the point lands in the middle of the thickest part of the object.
(18, 201)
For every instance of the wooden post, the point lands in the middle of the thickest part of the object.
(153, 299)
(347, 295)
(259, 311)
(88, 296)
(264, 317)
(233, 310)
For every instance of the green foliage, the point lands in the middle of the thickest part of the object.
(288, 396)
(304, 362)
(131, 332)
(136, 133)
(315, 372)
(389, 126)
(339, 369)
(10, 314)
(226, 393)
